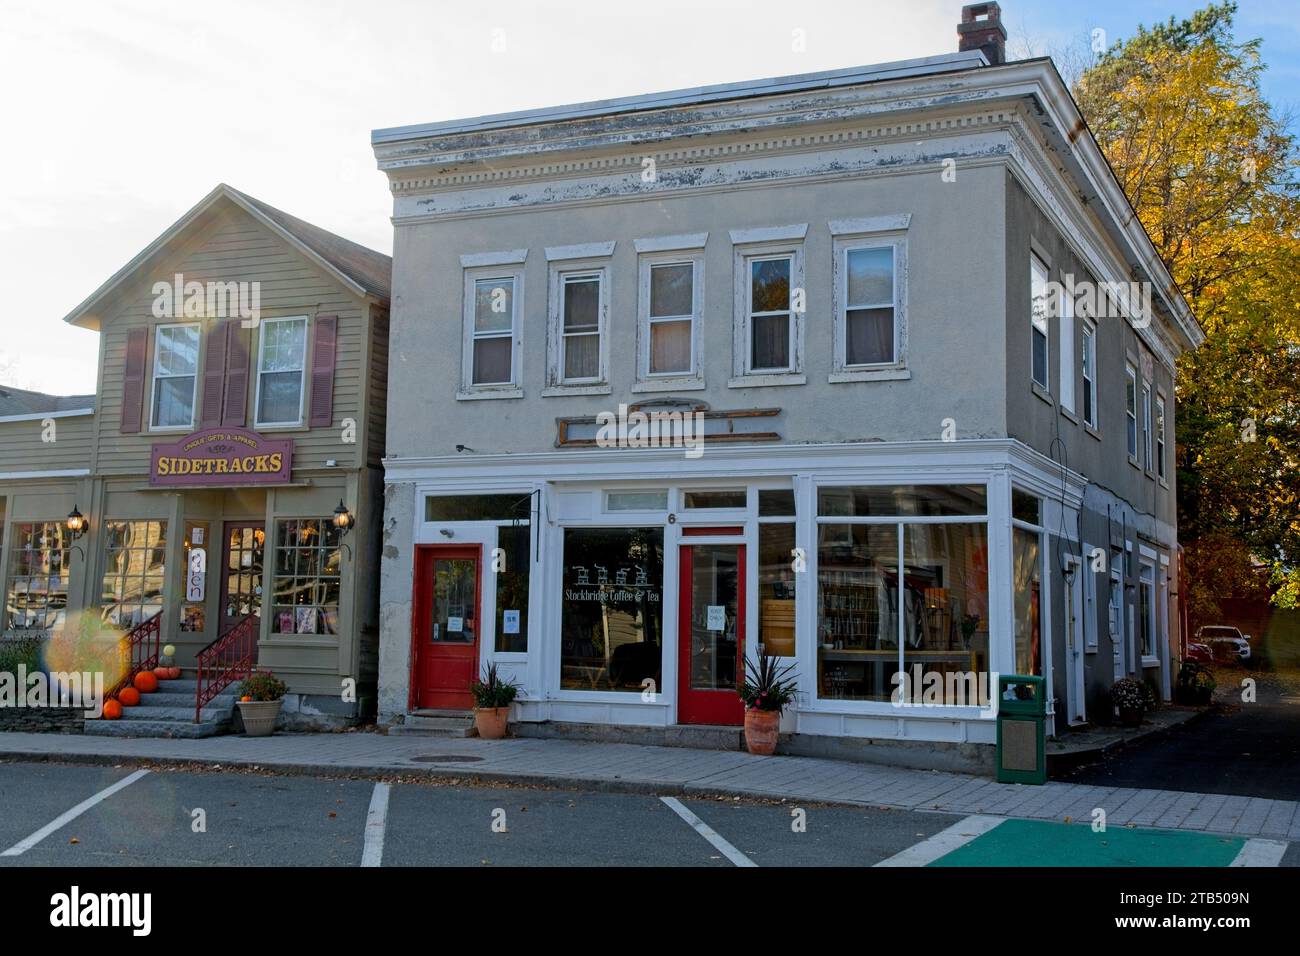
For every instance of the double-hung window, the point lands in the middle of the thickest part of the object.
(1088, 358)
(770, 303)
(1040, 301)
(281, 370)
(870, 305)
(670, 306)
(1160, 436)
(1130, 411)
(175, 375)
(578, 345)
(493, 304)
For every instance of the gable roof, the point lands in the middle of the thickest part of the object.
(20, 401)
(362, 270)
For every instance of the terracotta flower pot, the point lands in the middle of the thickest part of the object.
(259, 717)
(761, 727)
(1130, 716)
(491, 722)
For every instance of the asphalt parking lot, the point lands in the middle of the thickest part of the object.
(76, 815)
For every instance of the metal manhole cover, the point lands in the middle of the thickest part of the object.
(444, 758)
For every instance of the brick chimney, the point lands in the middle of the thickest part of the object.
(981, 29)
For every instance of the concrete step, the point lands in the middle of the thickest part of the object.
(155, 728)
(448, 724)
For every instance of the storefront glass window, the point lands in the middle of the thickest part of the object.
(723, 498)
(870, 501)
(506, 507)
(612, 609)
(37, 595)
(1026, 591)
(946, 604)
(777, 502)
(857, 610)
(512, 589)
(776, 588)
(1147, 608)
(135, 554)
(305, 586)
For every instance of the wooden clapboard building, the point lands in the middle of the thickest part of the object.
(236, 431)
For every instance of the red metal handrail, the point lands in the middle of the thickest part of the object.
(140, 648)
(227, 659)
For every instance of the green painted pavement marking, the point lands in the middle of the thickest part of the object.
(1042, 843)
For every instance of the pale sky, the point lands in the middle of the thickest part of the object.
(119, 115)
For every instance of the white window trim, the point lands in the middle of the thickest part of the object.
(1153, 615)
(1046, 384)
(1148, 438)
(1067, 336)
(512, 389)
(742, 254)
(679, 243)
(302, 377)
(559, 269)
(1089, 334)
(1162, 437)
(876, 371)
(154, 376)
(1131, 414)
(693, 379)
(508, 257)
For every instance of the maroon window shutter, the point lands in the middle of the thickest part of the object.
(137, 355)
(236, 405)
(324, 343)
(214, 373)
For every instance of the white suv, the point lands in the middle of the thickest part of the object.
(1225, 643)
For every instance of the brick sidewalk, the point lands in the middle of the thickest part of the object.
(675, 770)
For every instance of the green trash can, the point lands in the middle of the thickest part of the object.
(1022, 722)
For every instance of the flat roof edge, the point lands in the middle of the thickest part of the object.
(899, 69)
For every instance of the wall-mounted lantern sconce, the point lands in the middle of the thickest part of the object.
(344, 521)
(77, 525)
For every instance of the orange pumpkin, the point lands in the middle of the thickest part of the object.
(129, 696)
(175, 673)
(161, 672)
(112, 710)
(245, 698)
(145, 682)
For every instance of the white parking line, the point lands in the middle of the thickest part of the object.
(22, 846)
(376, 823)
(706, 831)
(944, 842)
(1259, 852)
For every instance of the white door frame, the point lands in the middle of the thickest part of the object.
(1076, 708)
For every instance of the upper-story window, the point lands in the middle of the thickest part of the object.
(1160, 435)
(1065, 314)
(578, 345)
(1038, 279)
(493, 336)
(671, 302)
(770, 303)
(1130, 411)
(175, 375)
(1088, 359)
(281, 368)
(581, 299)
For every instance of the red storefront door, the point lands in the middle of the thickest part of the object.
(710, 634)
(445, 626)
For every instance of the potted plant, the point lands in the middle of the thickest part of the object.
(260, 696)
(767, 689)
(492, 699)
(1130, 698)
(1195, 685)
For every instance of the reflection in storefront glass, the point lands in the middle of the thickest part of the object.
(612, 609)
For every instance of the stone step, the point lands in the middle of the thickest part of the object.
(176, 713)
(155, 728)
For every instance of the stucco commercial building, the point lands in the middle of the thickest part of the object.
(908, 463)
(240, 403)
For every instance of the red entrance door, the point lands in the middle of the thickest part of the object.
(710, 634)
(445, 628)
